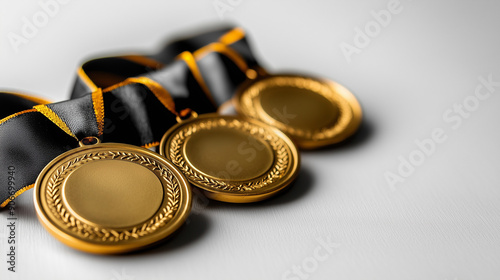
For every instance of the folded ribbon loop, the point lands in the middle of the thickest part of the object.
(130, 99)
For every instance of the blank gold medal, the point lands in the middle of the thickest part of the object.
(313, 112)
(230, 158)
(111, 198)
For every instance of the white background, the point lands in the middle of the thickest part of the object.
(441, 223)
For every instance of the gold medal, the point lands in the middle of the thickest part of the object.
(313, 112)
(111, 198)
(232, 159)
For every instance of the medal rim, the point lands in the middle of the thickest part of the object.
(233, 196)
(303, 143)
(89, 246)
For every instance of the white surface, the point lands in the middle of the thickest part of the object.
(441, 223)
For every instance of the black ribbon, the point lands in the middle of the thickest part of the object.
(127, 99)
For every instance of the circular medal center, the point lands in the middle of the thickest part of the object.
(113, 193)
(298, 107)
(228, 154)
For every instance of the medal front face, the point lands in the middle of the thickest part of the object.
(311, 111)
(232, 159)
(111, 198)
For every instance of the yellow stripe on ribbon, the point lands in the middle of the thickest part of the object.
(85, 78)
(193, 66)
(225, 50)
(37, 100)
(98, 103)
(47, 112)
(16, 114)
(143, 60)
(151, 145)
(18, 193)
(232, 36)
(161, 93)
